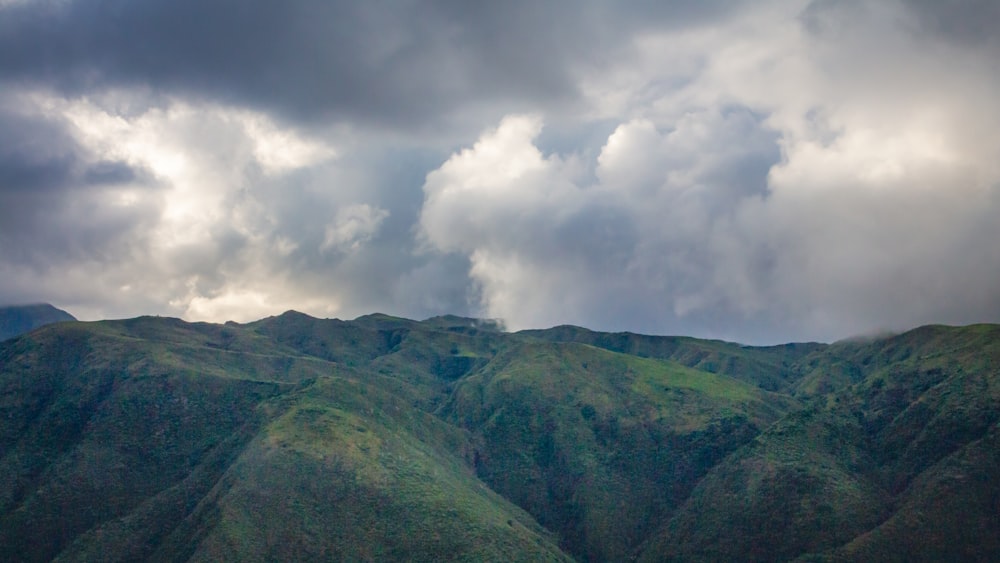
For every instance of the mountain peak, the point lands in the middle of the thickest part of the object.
(18, 319)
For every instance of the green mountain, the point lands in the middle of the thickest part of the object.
(18, 319)
(295, 438)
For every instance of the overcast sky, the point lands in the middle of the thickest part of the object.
(760, 171)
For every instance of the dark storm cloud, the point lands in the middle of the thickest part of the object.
(968, 22)
(760, 171)
(35, 155)
(52, 195)
(971, 24)
(109, 172)
(388, 62)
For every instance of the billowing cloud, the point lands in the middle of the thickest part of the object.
(764, 171)
(634, 244)
(795, 184)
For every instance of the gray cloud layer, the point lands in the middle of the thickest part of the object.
(763, 172)
(387, 62)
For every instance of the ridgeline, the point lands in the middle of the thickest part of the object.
(295, 438)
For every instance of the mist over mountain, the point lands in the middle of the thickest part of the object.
(383, 438)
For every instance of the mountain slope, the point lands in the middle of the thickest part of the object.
(898, 466)
(295, 438)
(157, 439)
(601, 446)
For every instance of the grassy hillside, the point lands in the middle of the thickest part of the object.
(899, 465)
(294, 438)
(768, 367)
(601, 446)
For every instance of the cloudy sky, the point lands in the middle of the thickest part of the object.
(759, 171)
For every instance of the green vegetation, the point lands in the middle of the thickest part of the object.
(294, 438)
(601, 447)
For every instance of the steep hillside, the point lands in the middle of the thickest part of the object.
(295, 438)
(18, 319)
(601, 447)
(157, 439)
(900, 465)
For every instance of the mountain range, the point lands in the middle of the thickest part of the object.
(449, 439)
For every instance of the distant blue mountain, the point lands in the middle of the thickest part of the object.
(18, 319)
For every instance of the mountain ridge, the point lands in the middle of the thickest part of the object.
(293, 437)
